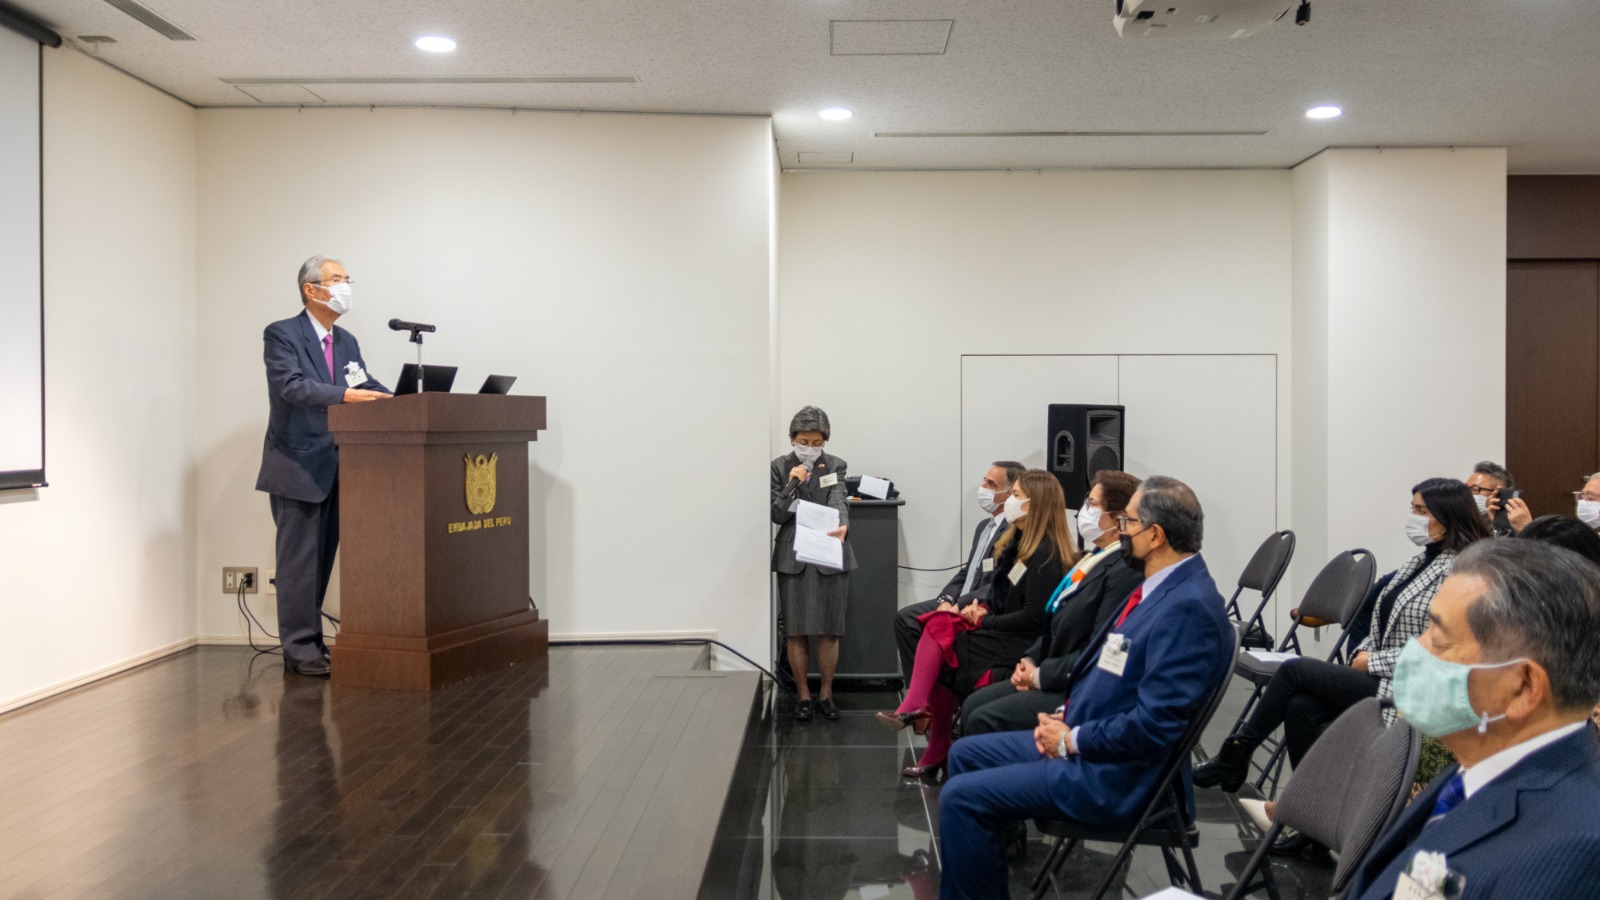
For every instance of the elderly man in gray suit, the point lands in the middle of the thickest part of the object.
(312, 364)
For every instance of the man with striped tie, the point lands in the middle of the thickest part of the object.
(1505, 677)
(312, 364)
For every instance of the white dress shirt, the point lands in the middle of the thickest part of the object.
(1475, 778)
(975, 564)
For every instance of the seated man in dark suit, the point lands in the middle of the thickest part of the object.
(312, 364)
(1140, 681)
(1092, 592)
(972, 580)
(1505, 677)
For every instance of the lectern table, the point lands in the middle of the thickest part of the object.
(433, 520)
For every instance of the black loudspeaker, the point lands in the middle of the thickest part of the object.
(1083, 439)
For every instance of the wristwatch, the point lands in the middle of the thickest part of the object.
(1061, 745)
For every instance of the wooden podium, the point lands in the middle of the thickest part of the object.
(433, 520)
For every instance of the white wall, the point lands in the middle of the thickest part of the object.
(97, 569)
(888, 279)
(619, 265)
(1400, 287)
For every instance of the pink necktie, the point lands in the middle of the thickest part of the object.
(327, 353)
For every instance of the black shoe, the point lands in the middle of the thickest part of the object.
(826, 708)
(802, 711)
(1229, 769)
(316, 668)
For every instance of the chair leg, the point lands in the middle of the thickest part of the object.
(1194, 871)
(1258, 865)
(1047, 870)
(1272, 771)
(1249, 707)
(1121, 861)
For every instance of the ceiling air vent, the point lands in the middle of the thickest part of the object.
(166, 29)
(97, 39)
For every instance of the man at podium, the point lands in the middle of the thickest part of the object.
(311, 364)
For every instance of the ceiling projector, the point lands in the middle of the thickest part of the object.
(1190, 19)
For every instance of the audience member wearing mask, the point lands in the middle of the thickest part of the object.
(984, 640)
(1090, 594)
(972, 580)
(1504, 677)
(813, 599)
(1589, 502)
(1304, 695)
(1488, 481)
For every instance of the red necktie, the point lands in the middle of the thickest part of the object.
(327, 353)
(1133, 600)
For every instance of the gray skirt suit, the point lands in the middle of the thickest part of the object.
(813, 600)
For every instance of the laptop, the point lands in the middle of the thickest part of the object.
(497, 384)
(435, 379)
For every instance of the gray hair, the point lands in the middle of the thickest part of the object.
(1543, 604)
(1496, 471)
(1012, 468)
(311, 273)
(810, 418)
(1171, 504)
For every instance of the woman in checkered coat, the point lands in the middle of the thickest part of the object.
(1306, 694)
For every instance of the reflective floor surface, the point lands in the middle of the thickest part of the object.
(820, 811)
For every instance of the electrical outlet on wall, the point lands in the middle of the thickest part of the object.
(235, 578)
(270, 584)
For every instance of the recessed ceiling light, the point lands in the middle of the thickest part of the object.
(434, 43)
(1324, 112)
(836, 114)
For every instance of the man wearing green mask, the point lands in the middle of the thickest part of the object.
(1505, 677)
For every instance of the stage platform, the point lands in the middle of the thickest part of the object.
(212, 773)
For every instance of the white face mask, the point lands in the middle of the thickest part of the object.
(1014, 509)
(1483, 503)
(1589, 513)
(1417, 529)
(338, 297)
(807, 454)
(1089, 523)
(986, 500)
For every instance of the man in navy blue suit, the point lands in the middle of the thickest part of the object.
(1505, 677)
(1141, 679)
(312, 364)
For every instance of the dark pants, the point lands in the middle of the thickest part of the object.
(1001, 707)
(907, 631)
(995, 781)
(308, 538)
(1303, 696)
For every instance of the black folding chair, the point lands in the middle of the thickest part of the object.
(1351, 786)
(1163, 823)
(1261, 574)
(1335, 595)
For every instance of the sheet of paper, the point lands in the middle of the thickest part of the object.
(874, 487)
(1173, 893)
(816, 548)
(1270, 656)
(816, 517)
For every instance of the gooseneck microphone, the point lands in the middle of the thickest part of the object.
(400, 325)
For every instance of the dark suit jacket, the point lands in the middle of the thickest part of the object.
(1532, 832)
(783, 560)
(298, 456)
(1099, 597)
(1180, 648)
(980, 585)
(1016, 615)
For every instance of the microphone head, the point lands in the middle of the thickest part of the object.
(397, 325)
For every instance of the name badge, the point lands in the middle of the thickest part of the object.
(1114, 654)
(828, 480)
(354, 375)
(988, 564)
(1408, 888)
(1429, 877)
(1016, 573)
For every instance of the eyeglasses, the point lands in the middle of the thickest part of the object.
(336, 280)
(1591, 496)
(1122, 523)
(1482, 490)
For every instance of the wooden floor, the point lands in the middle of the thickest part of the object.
(214, 775)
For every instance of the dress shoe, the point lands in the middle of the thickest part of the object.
(1257, 811)
(826, 709)
(316, 668)
(802, 711)
(897, 721)
(1229, 769)
(926, 773)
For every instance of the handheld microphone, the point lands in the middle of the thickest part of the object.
(794, 483)
(399, 325)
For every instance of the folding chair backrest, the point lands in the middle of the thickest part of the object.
(1267, 566)
(1337, 591)
(1351, 785)
(1191, 739)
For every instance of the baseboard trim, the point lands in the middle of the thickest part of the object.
(57, 690)
(576, 637)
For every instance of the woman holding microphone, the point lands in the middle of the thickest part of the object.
(812, 598)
